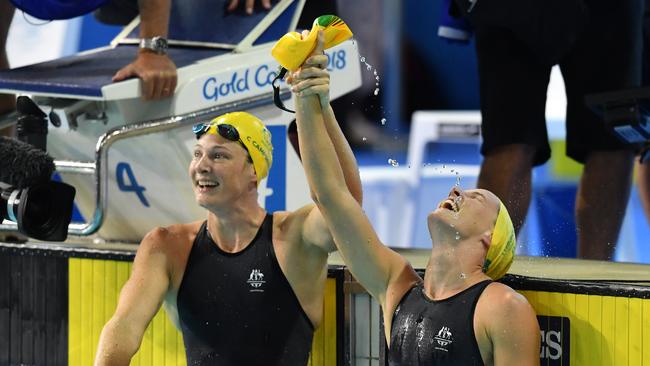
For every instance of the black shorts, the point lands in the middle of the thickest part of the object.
(513, 81)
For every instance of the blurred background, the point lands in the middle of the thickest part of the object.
(411, 78)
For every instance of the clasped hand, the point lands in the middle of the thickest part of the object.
(312, 78)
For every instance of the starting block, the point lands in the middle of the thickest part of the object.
(128, 158)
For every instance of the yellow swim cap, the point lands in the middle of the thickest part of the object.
(291, 51)
(252, 133)
(502, 248)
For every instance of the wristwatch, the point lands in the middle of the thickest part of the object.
(155, 44)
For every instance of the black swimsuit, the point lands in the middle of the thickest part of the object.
(428, 332)
(238, 308)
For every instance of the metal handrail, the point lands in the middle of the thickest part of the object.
(100, 166)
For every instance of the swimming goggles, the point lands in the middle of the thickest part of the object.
(229, 132)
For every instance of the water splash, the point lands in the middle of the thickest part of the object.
(375, 92)
(393, 162)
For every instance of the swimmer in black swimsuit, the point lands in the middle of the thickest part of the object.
(245, 286)
(456, 315)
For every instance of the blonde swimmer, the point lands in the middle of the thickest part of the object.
(456, 314)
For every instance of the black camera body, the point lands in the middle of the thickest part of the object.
(42, 211)
(627, 113)
(41, 207)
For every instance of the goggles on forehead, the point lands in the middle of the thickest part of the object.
(229, 132)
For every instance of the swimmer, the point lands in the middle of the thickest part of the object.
(457, 314)
(245, 286)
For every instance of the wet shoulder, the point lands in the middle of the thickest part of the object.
(174, 242)
(171, 237)
(498, 303)
(503, 295)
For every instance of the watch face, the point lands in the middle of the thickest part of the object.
(155, 44)
(160, 43)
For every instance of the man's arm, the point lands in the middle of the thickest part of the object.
(157, 72)
(512, 328)
(375, 266)
(139, 301)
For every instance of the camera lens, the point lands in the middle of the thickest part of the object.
(45, 210)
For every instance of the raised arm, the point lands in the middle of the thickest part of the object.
(139, 301)
(313, 75)
(375, 266)
(344, 153)
(157, 71)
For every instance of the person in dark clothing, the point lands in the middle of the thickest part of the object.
(151, 64)
(455, 315)
(643, 169)
(156, 70)
(597, 45)
(245, 286)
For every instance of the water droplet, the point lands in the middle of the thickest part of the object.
(376, 74)
(368, 67)
(363, 138)
(376, 91)
(393, 162)
(463, 275)
(383, 121)
(363, 59)
(457, 235)
(376, 84)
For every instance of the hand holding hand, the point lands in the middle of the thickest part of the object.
(312, 78)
